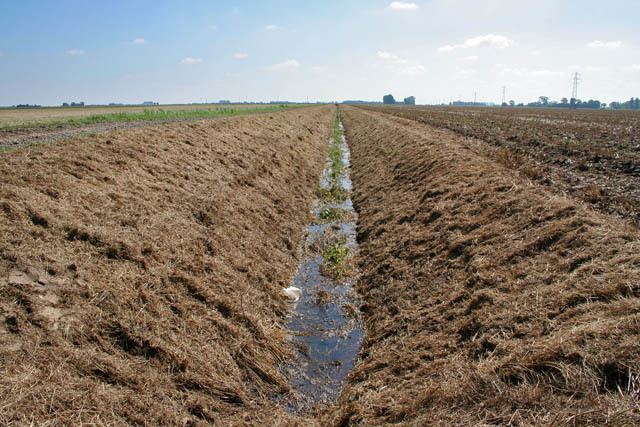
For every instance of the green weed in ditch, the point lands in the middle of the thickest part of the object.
(335, 155)
(335, 150)
(335, 194)
(331, 214)
(335, 257)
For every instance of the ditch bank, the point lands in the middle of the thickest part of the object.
(141, 271)
(487, 299)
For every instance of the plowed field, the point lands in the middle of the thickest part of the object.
(592, 155)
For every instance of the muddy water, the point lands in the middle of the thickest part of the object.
(325, 325)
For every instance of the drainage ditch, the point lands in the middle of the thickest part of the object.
(325, 325)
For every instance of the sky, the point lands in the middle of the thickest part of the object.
(318, 50)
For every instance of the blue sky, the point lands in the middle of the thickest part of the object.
(195, 50)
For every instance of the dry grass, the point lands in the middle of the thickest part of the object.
(489, 300)
(140, 271)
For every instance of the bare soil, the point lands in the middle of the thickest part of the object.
(489, 299)
(141, 271)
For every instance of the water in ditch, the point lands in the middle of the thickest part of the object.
(324, 325)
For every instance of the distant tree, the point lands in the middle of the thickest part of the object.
(591, 104)
(544, 100)
(504, 104)
(564, 101)
(512, 103)
(388, 99)
(411, 100)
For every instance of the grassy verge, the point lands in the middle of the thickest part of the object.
(146, 115)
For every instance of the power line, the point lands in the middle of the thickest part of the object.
(574, 87)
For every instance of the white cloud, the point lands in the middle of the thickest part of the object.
(527, 73)
(400, 5)
(491, 40)
(400, 65)
(213, 27)
(544, 73)
(588, 68)
(240, 55)
(139, 40)
(471, 58)
(189, 60)
(318, 69)
(413, 70)
(288, 65)
(271, 27)
(464, 73)
(634, 67)
(597, 44)
(391, 58)
(594, 68)
(536, 53)
(75, 52)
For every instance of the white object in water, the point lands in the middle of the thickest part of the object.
(293, 293)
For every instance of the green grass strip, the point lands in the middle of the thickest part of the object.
(146, 115)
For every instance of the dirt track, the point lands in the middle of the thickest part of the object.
(20, 137)
(141, 271)
(488, 299)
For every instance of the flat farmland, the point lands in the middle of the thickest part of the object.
(150, 275)
(593, 155)
(20, 127)
(20, 117)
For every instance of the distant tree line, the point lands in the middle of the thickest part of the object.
(632, 104)
(27, 106)
(544, 102)
(389, 99)
(73, 104)
(468, 104)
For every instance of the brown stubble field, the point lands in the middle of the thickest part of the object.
(489, 299)
(593, 155)
(141, 271)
